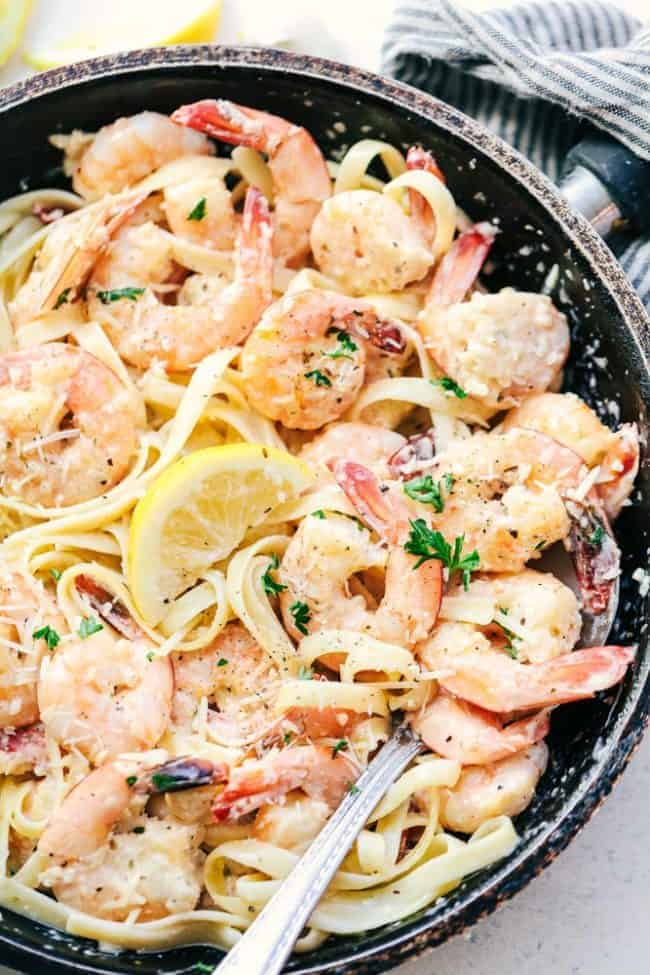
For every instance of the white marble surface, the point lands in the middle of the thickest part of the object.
(586, 914)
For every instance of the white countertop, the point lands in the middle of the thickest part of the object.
(586, 914)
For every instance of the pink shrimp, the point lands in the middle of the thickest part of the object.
(313, 768)
(472, 736)
(421, 212)
(493, 681)
(301, 179)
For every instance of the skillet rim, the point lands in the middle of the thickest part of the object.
(415, 936)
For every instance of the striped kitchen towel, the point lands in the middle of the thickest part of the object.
(568, 65)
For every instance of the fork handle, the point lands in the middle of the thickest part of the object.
(265, 946)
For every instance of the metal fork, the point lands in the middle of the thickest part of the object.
(264, 948)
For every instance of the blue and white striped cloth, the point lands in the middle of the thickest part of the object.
(537, 75)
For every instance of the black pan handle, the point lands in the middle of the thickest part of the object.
(609, 184)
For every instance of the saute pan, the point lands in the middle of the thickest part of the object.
(543, 243)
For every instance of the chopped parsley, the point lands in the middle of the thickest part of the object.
(131, 780)
(353, 789)
(319, 513)
(596, 537)
(222, 662)
(345, 347)
(63, 298)
(201, 966)
(448, 384)
(56, 574)
(511, 637)
(428, 491)
(318, 377)
(271, 587)
(340, 746)
(428, 544)
(106, 297)
(164, 783)
(88, 626)
(50, 636)
(287, 737)
(138, 829)
(150, 655)
(540, 544)
(301, 616)
(198, 210)
(305, 673)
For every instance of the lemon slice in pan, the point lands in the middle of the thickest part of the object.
(198, 511)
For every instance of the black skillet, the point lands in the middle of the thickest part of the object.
(591, 742)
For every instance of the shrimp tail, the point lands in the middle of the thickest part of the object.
(223, 120)
(461, 265)
(364, 491)
(596, 557)
(254, 245)
(419, 158)
(109, 607)
(180, 774)
(409, 460)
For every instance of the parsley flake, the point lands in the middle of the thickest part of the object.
(88, 626)
(428, 544)
(202, 967)
(50, 636)
(138, 829)
(301, 616)
(222, 662)
(56, 574)
(150, 655)
(131, 780)
(63, 298)
(305, 673)
(448, 384)
(106, 297)
(427, 491)
(271, 587)
(345, 346)
(287, 737)
(511, 637)
(198, 210)
(596, 537)
(318, 377)
(319, 513)
(353, 789)
(340, 746)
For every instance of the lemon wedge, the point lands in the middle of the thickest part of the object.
(13, 19)
(198, 511)
(84, 31)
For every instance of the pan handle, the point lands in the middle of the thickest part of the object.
(608, 184)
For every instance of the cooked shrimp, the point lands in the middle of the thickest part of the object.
(507, 495)
(468, 665)
(201, 212)
(313, 768)
(68, 255)
(498, 347)
(457, 730)
(366, 443)
(126, 151)
(105, 857)
(26, 609)
(105, 694)
(569, 420)
(538, 614)
(301, 180)
(144, 330)
(366, 242)
(68, 425)
(504, 788)
(292, 825)
(23, 750)
(235, 676)
(324, 554)
(304, 364)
